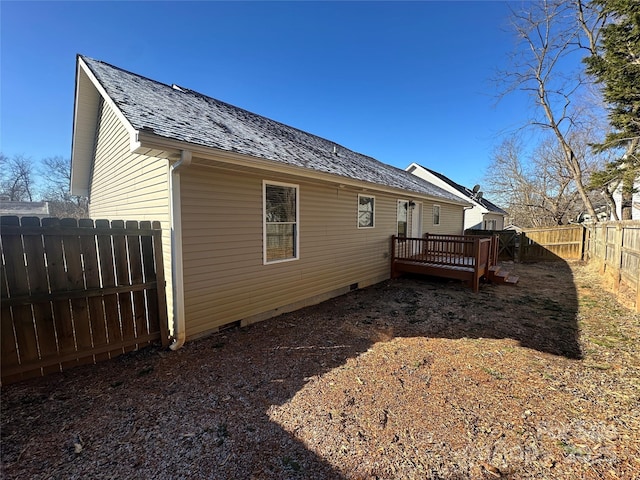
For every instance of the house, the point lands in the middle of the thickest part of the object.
(635, 202)
(24, 209)
(483, 216)
(258, 218)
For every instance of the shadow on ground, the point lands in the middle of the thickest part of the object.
(202, 412)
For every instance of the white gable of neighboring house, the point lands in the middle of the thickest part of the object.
(617, 197)
(482, 215)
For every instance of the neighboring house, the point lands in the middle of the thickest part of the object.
(258, 218)
(635, 204)
(24, 209)
(483, 216)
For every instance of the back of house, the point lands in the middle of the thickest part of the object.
(258, 218)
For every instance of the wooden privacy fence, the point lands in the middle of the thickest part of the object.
(615, 246)
(73, 292)
(553, 243)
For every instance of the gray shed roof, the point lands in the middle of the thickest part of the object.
(188, 116)
(24, 209)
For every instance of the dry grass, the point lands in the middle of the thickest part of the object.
(407, 379)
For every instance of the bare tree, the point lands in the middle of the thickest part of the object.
(536, 187)
(56, 172)
(16, 178)
(552, 35)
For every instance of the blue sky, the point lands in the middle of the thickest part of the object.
(402, 82)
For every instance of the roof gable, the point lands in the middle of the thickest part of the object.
(186, 116)
(465, 192)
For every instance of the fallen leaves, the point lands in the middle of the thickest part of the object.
(407, 379)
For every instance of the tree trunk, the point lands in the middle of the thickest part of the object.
(608, 196)
(627, 205)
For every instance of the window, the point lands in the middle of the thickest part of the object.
(280, 222)
(436, 214)
(366, 211)
(403, 207)
(490, 224)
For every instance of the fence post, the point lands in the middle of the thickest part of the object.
(603, 246)
(638, 293)
(617, 258)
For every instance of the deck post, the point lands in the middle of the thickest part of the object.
(476, 268)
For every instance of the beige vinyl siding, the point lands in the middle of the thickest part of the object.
(225, 278)
(127, 186)
(451, 218)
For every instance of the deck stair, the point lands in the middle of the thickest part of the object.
(502, 277)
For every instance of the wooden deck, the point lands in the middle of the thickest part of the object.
(462, 257)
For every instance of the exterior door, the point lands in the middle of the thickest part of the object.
(415, 212)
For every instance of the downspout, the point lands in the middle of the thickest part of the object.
(177, 270)
(464, 215)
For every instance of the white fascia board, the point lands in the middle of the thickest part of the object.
(133, 133)
(431, 178)
(86, 104)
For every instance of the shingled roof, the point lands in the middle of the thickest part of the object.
(492, 207)
(188, 116)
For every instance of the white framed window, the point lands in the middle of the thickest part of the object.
(403, 218)
(281, 239)
(436, 214)
(366, 211)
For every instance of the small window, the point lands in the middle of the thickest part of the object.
(436, 214)
(402, 216)
(281, 240)
(366, 211)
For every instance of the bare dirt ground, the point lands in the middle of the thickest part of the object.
(411, 378)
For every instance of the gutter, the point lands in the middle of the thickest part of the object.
(235, 160)
(177, 269)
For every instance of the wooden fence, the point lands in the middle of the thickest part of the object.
(509, 241)
(553, 243)
(615, 247)
(73, 292)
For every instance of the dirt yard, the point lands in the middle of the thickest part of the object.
(407, 379)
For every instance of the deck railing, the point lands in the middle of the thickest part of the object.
(455, 256)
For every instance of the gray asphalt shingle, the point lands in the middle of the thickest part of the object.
(191, 117)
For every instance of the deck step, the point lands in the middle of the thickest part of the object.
(501, 274)
(502, 277)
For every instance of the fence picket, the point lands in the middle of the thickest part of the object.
(18, 284)
(121, 261)
(39, 284)
(135, 271)
(75, 281)
(149, 275)
(92, 281)
(8, 340)
(107, 270)
(58, 280)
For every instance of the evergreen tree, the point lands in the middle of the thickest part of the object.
(617, 67)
